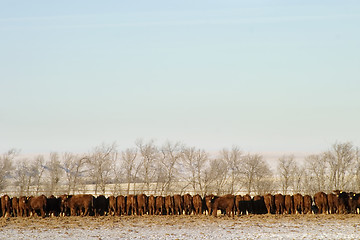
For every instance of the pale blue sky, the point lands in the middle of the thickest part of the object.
(268, 76)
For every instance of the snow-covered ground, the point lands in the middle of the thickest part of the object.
(184, 227)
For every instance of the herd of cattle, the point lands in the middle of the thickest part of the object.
(86, 204)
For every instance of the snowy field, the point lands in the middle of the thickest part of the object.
(184, 227)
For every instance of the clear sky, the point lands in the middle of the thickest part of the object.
(268, 76)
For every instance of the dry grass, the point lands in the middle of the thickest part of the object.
(178, 221)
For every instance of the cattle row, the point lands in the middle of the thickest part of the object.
(85, 204)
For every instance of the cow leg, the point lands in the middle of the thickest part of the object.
(86, 211)
(72, 212)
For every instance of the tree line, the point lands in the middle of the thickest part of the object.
(173, 167)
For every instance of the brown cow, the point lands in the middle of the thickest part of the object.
(298, 203)
(81, 204)
(23, 207)
(178, 204)
(197, 204)
(307, 204)
(131, 205)
(321, 202)
(269, 203)
(38, 204)
(333, 203)
(152, 205)
(160, 205)
(239, 204)
(188, 204)
(64, 204)
(279, 203)
(289, 204)
(142, 204)
(209, 203)
(224, 203)
(15, 206)
(112, 205)
(121, 205)
(6, 206)
(169, 205)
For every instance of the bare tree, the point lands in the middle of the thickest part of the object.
(160, 177)
(68, 164)
(356, 172)
(170, 155)
(218, 173)
(54, 173)
(232, 159)
(188, 172)
(256, 174)
(201, 158)
(206, 179)
(286, 170)
(340, 159)
(131, 167)
(149, 155)
(264, 179)
(37, 168)
(74, 167)
(100, 163)
(6, 166)
(194, 162)
(316, 169)
(298, 175)
(116, 172)
(306, 182)
(22, 177)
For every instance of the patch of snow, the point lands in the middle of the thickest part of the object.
(187, 227)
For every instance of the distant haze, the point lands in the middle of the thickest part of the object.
(272, 77)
